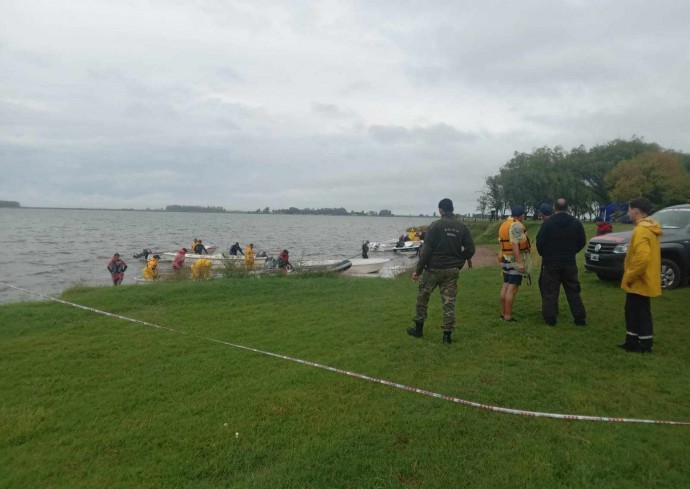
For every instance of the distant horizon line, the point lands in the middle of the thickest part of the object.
(131, 209)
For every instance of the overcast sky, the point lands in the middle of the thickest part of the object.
(366, 105)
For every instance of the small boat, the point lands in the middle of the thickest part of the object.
(408, 246)
(323, 265)
(393, 246)
(216, 258)
(367, 265)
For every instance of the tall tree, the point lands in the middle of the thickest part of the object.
(659, 176)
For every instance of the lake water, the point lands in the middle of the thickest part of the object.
(47, 250)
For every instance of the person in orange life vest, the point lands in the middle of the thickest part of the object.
(178, 261)
(641, 277)
(515, 259)
(117, 268)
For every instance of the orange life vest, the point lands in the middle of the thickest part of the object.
(504, 238)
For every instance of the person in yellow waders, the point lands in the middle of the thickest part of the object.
(150, 272)
(201, 269)
(249, 256)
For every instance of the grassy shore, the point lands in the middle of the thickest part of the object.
(93, 401)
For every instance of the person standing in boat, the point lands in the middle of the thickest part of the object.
(447, 246)
(199, 248)
(236, 248)
(365, 249)
(117, 268)
(249, 256)
(178, 261)
(150, 271)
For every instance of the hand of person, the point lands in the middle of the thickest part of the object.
(469, 263)
(415, 276)
(521, 267)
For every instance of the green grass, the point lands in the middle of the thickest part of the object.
(92, 401)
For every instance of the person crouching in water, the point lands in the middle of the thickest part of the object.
(284, 261)
(178, 261)
(249, 257)
(117, 268)
(150, 272)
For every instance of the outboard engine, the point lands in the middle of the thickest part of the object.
(144, 253)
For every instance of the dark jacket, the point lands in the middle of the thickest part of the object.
(560, 238)
(447, 244)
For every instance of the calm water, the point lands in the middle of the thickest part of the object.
(47, 250)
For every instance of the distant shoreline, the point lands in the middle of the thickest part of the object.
(207, 212)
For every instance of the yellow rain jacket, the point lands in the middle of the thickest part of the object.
(249, 257)
(150, 272)
(412, 235)
(201, 268)
(642, 274)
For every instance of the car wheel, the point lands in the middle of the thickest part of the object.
(670, 274)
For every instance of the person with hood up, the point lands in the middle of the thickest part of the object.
(249, 256)
(178, 261)
(117, 267)
(641, 277)
(365, 249)
(150, 271)
(560, 238)
(201, 268)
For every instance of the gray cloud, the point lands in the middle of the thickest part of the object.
(365, 105)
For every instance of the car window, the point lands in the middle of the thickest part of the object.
(672, 218)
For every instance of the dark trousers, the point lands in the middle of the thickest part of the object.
(552, 277)
(638, 322)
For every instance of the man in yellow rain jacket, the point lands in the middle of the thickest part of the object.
(642, 277)
(249, 256)
(150, 272)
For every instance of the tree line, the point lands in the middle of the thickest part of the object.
(616, 171)
(324, 211)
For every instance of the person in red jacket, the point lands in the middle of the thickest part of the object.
(603, 227)
(117, 268)
(178, 261)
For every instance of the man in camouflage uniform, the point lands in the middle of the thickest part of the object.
(447, 245)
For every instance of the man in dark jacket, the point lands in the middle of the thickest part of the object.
(560, 238)
(447, 245)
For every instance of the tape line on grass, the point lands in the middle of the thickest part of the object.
(488, 407)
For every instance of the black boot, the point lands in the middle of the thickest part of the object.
(417, 330)
(446, 337)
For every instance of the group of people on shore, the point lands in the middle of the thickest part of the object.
(449, 244)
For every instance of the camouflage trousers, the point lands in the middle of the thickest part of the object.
(446, 279)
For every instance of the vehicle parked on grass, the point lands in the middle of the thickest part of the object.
(605, 254)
